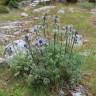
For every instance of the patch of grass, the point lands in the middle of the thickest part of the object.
(90, 68)
(2, 93)
(3, 9)
(15, 15)
(11, 16)
(1, 50)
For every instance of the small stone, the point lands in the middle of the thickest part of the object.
(76, 94)
(24, 14)
(61, 93)
(17, 33)
(61, 11)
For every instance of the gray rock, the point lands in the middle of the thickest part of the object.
(9, 27)
(61, 93)
(15, 47)
(2, 61)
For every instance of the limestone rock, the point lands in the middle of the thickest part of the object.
(15, 47)
(2, 61)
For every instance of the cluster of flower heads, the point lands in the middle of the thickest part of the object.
(73, 35)
(37, 28)
(68, 28)
(39, 41)
(28, 37)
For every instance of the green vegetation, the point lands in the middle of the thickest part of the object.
(49, 68)
(10, 3)
(2, 93)
(49, 62)
(87, 5)
(3, 9)
(1, 50)
(5, 4)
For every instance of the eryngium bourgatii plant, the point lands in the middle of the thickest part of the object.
(50, 62)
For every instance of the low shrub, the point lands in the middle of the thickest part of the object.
(19, 65)
(54, 67)
(48, 67)
(49, 62)
(12, 3)
(3, 9)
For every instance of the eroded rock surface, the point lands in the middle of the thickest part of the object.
(45, 9)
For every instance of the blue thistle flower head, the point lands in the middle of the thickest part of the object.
(40, 41)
